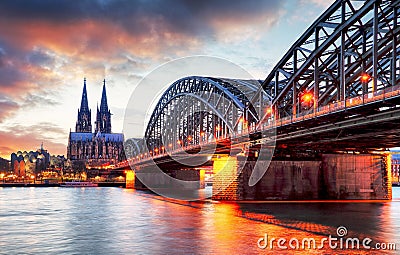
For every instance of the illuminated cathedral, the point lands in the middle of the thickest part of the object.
(101, 146)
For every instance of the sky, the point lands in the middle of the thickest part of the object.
(47, 48)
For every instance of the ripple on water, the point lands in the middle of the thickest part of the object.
(117, 221)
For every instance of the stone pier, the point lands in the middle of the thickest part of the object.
(333, 176)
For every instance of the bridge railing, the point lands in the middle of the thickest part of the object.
(361, 100)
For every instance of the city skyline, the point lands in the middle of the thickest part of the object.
(47, 49)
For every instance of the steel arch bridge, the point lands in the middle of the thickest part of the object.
(347, 59)
(196, 110)
(351, 39)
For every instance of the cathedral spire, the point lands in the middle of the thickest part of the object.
(83, 124)
(103, 104)
(103, 118)
(84, 100)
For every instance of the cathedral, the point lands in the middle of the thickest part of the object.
(101, 146)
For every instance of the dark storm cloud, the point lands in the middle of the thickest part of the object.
(138, 17)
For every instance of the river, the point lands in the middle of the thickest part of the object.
(120, 221)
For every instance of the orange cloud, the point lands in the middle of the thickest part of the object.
(12, 142)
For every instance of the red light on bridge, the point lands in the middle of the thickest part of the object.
(156, 150)
(190, 138)
(307, 97)
(365, 77)
(202, 133)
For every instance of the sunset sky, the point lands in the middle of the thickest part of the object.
(47, 48)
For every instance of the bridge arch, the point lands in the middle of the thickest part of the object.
(196, 109)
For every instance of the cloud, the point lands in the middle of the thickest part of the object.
(92, 25)
(46, 46)
(19, 137)
(7, 107)
(323, 3)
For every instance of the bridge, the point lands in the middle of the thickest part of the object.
(317, 127)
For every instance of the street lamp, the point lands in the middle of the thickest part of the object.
(365, 78)
(307, 98)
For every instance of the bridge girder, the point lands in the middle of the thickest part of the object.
(349, 39)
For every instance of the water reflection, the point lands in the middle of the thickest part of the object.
(118, 221)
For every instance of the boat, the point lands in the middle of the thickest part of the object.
(76, 184)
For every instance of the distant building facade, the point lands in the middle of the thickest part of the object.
(98, 147)
(30, 163)
(4, 165)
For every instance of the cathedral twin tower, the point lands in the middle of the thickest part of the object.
(98, 147)
(103, 116)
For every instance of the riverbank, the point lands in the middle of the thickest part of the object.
(40, 185)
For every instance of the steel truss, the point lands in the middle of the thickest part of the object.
(195, 110)
(349, 40)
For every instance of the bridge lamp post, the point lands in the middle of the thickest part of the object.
(243, 121)
(307, 98)
(217, 129)
(202, 136)
(365, 78)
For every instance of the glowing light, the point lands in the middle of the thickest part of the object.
(130, 179)
(190, 138)
(365, 77)
(170, 145)
(217, 128)
(179, 142)
(307, 97)
(156, 150)
(202, 133)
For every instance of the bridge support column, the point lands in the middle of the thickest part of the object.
(332, 176)
(130, 179)
(225, 181)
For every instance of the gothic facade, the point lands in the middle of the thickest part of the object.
(98, 147)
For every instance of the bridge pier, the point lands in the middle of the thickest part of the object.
(332, 176)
